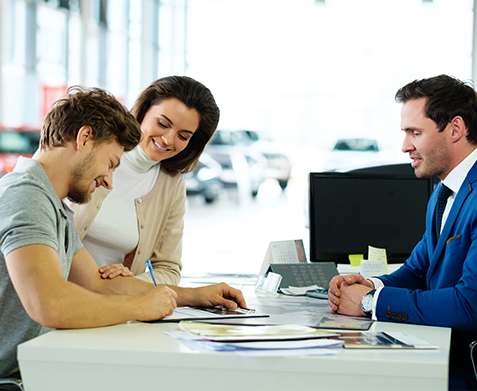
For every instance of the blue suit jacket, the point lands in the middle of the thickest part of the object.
(438, 283)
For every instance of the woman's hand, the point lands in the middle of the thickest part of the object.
(115, 269)
(210, 296)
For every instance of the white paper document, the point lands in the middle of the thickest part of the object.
(245, 333)
(286, 353)
(212, 313)
(411, 340)
(299, 290)
(371, 268)
(262, 348)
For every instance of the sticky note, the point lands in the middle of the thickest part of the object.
(378, 254)
(371, 268)
(355, 259)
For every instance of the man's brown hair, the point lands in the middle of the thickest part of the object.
(446, 98)
(92, 107)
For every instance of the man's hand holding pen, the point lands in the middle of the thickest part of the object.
(206, 296)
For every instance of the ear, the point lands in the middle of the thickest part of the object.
(84, 137)
(458, 128)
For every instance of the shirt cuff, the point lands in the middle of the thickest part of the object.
(377, 282)
(375, 301)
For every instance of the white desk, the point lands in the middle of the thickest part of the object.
(139, 356)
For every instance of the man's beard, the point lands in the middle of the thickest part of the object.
(77, 193)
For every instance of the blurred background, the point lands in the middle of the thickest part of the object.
(303, 86)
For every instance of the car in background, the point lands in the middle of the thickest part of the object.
(16, 142)
(278, 162)
(205, 179)
(243, 165)
(349, 153)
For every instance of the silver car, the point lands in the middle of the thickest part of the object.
(243, 165)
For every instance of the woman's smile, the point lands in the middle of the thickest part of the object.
(167, 128)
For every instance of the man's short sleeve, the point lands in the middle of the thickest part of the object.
(31, 215)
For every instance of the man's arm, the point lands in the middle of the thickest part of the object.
(48, 299)
(406, 276)
(84, 272)
(451, 306)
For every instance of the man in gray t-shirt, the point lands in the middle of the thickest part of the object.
(47, 278)
(43, 219)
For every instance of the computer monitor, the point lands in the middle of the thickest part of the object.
(349, 211)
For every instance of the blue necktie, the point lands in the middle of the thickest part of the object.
(442, 196)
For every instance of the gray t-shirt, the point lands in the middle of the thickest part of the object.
(31, 213)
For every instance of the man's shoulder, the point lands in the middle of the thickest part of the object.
(20, 185)
(27, 176)
(472, 174)
(23, 194)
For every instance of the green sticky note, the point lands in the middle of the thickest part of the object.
(355, 259)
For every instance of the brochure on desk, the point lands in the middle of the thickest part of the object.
(303, 311)
(382, 340)
(212, 313)
(234, 333)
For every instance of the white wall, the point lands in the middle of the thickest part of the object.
(310, 72)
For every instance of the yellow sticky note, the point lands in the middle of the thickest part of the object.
(355, 259)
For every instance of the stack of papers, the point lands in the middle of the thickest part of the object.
(265, 341)
(220, 332)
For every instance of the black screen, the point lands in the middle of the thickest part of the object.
(349, 211)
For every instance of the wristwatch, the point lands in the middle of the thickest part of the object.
(367, 303)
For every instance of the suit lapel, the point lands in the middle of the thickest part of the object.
(459, 201)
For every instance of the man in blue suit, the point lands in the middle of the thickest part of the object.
(438, 283)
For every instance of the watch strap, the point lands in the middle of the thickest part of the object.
(367, 303)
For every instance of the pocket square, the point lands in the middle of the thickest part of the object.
(454, 237)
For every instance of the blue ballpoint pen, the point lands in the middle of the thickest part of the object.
(150, 270)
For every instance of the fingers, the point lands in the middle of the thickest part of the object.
(171, 292)
(333, 301)
(333, 306)
(114, 270)
(335, 285)
(213, 295)
(172, 300)
(350, 300)
(237, 299)
(226, 296)
(167, 300)
(334, 292)
(351, 279)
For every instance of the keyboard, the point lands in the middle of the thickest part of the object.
(318, 293)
